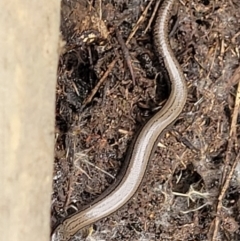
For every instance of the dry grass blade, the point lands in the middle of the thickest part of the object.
(140, 20)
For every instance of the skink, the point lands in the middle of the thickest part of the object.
(135, 165)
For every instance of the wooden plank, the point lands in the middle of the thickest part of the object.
(28, 64)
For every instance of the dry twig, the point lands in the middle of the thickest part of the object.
(126, 55)
(227, 176)
(100, 82)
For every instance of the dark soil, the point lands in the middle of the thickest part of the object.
(192, 187)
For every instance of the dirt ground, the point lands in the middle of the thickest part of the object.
(110, 82)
